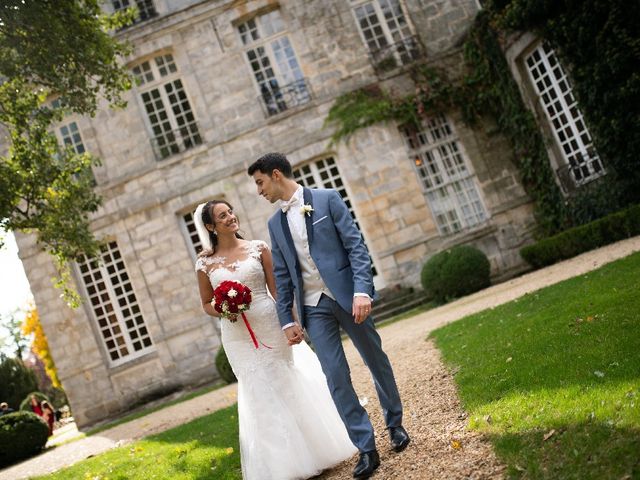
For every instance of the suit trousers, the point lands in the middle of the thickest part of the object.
(323, 323)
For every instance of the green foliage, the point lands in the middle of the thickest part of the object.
(606, 230)
(25, 405)
(66, 49)
(14, 338)
(206, 448)
(599, 44)
(62, 50)
(371, 105)
(224, 369)
(16, 381)
(455, 272)
(494, 92)
(58, 397)
(22, 435)
(553, 378)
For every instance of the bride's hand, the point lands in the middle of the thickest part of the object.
(294, 334)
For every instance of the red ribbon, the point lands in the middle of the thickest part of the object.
(253, 335)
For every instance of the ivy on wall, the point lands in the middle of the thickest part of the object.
(599, 41)
(488, 89)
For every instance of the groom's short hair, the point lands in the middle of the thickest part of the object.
(271, 161)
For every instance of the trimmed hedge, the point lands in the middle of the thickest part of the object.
(455, 272)
(22, 435)
(609, 229)
(222, 364)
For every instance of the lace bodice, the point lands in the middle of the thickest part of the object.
(246, 270)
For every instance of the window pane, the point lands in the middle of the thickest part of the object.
(112, 311)
(565, 118)
(449, 186)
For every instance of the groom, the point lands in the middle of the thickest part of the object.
(320, 259)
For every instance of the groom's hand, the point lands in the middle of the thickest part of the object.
(361, 308)
(294, 334)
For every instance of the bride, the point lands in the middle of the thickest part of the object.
(289, 426)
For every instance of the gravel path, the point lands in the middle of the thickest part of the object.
(441, 446)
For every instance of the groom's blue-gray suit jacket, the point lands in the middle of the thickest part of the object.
(336, 247)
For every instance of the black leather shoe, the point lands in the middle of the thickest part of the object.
(367, 464)
(399, 438)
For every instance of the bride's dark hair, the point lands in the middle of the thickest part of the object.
(207, 219)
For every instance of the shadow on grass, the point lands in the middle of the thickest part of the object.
(564, 359)
(586, 451)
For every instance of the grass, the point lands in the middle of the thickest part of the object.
(553, 378)
(204, 448)
(147, 411)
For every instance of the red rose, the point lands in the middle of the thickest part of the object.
(231, 298)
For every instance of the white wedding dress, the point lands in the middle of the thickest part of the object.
(289, 426)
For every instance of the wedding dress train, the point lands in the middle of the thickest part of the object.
(289, 426)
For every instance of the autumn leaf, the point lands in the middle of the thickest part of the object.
(456, 445)
(40, 346)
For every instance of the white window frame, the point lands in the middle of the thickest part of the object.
(291, 88)
(154, 74)
(313, 178)
(104, 303)
(444, 170)
(187, 225)
(554, 94)
(146, 8)
(405, 40)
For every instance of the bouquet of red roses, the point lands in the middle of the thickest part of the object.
(231, 298)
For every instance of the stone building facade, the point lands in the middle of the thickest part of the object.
(221, 82)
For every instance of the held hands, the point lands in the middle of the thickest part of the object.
(361, 309)
(294, 334)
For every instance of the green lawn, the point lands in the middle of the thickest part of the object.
(205, 448)
(553, 378)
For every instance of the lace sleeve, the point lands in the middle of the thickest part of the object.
(257, 246)
(200, 266)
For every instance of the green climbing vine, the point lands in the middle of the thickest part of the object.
(488, 89)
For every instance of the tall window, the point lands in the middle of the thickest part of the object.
(274, 63)
(192, 234)
(168, 109)
(324, 174)
(146, 9)
(114, 305)
(565, 118)
(386, 32)
(446, 178)
(71, 137)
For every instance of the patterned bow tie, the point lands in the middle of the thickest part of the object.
(292, 202)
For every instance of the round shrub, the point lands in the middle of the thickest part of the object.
(222, 364)
(455, 272)
(22, 435)
(25, 405)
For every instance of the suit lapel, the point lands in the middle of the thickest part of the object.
(308, 219)
(287, 236)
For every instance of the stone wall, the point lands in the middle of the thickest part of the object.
(144, 198)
